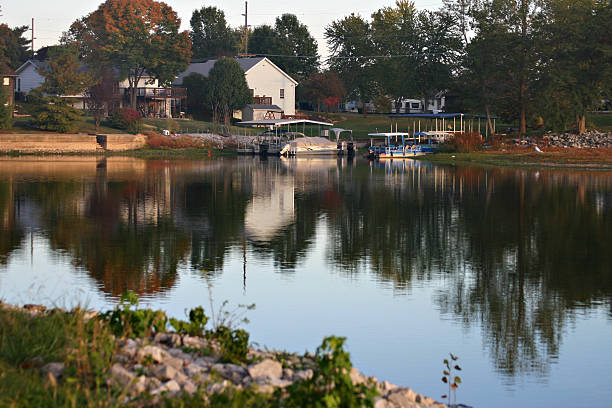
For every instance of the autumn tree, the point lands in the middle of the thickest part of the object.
(102, 96)
(228, 89)
(134, 37)
(322, 87)
(211, 37)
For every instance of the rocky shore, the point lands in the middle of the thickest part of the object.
(588, 140)
(170, 364)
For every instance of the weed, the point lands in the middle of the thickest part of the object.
(453, 383)
(196, 324)
(126, 320)
(331, 384)
(233, 344)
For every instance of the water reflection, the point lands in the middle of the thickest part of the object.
(516, 252)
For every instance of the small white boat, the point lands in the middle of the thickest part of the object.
(310, 146)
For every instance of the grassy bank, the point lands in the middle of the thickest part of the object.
(600, 159)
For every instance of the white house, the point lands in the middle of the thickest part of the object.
(153, 100)
(269, 84)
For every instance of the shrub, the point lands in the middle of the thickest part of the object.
(233, 343)
(331, 384)
(126, 119)
(196, 324)
(157, 141)
(55, 115)
(6, 113)
(126, 320)
(467, 142)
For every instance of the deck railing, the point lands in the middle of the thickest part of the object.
(175, 93)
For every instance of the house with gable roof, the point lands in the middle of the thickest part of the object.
(273, 89)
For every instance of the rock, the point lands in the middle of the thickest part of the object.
(196, 342)
(171, 339)
(382, 403)
(120, 376)
(156, 353)
(170, 387)
(356, 377)
(266, 369)
(34, 308)
(55, 369)
(278, 383)
(164, 372)
(193, 369)
(232, 372)
(287, 374)
(177, 363)
(402, 397)
(189, 387)
(303, 375)
(140, 385)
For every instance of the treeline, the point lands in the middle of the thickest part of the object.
(543, 62)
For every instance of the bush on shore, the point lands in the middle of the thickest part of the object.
(126, 119)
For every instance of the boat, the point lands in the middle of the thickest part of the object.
(302, 145)
(399, 145)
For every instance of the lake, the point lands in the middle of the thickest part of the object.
(510, 269)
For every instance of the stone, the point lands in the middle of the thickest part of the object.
(169, 387)
(266, 369)
(156, 353)
(140, 385)
(120, 376)
(287, 373)
(55, 369)
(34, 308)
(303, 375)
(382, 403)
(232, 372)
(356, 377)
(164, 372)
(196, 342)
(278, 383)
(189, 387)
(402, 397)
(177, 363)
(193, 369)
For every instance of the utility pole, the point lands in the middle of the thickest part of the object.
(246, 28)
(32, 37)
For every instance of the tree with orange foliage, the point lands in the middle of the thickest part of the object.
(135, 37)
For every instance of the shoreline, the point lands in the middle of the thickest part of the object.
(189, 365)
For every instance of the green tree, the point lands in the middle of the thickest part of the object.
(295, 41)
(55, 115)
(211, 37)
(576, 61)
(6, 111)
(197, 86)
(228, 89)
(264, 40)
(349, 41)
(135, 37)
(13, 46)
(64, 74)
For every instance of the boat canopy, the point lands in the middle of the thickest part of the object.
(439, 115)
(283, 122)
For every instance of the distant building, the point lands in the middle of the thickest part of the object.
(269, 84)
(7, 80)
(436, 104)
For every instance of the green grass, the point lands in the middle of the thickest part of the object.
(600, 121)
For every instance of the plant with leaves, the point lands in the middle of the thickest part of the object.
(350, 45)
(321, 87)
(453, 382)
(55, 114)
(6, 110)
(136, 37)
(196, 324)
(13, 45)
(127, 320)
(331, 384)
(228, 89)
(101, 97)
(197, 94)
(300, 47)
(64, 74)
(211, 37)
(127, 119)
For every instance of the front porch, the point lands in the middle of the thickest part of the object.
(158, 102)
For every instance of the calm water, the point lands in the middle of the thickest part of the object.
(509, 269)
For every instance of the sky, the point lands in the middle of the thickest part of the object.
(52, 17)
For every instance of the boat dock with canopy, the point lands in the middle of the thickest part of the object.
(445, 124)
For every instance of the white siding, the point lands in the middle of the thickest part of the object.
(30, 79)
(141, 84)
(267, 80)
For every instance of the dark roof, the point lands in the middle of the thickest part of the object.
(203, 68)
(262, 106)
(5, 70)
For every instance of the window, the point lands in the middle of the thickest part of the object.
(252, 92)
(415, 105)
(7, 81)
(18, 84)
(282, 93)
